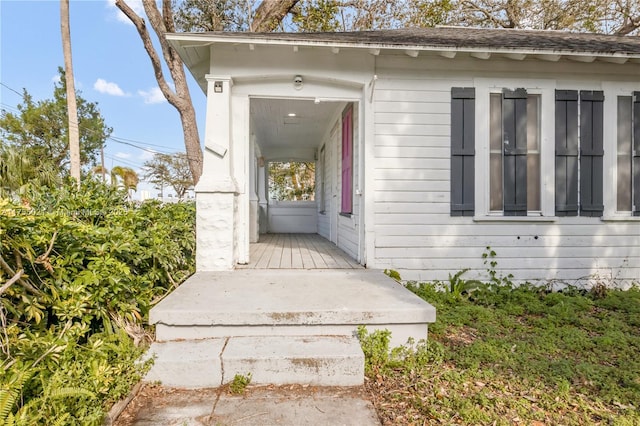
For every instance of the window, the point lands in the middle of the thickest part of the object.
(292, 181)
(628, 155)
(347, 161)
(462, 151)
(514, 156)
(579, 153)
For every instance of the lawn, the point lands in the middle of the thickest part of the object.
(502, 356)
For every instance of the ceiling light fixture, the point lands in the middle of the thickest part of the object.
(291, 114)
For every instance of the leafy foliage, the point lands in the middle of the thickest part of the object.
(40, 128)
(239, 383)
(501, 354)
(90, 267)
(291, 181)
(170, 170)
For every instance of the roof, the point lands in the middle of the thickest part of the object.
(441, 38)
(482, 43)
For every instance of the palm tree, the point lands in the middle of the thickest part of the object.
(18, 171)
(126, 178)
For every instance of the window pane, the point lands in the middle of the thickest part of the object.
(624, 154)
(533, 153)
(495, 164)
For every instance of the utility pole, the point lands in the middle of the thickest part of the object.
(72, 109)
(102, 163)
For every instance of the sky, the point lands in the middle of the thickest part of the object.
(110, 68)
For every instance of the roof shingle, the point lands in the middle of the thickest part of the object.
(461, 38)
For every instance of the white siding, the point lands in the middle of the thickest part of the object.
(346, 234)
(414, 232)
(329, 143)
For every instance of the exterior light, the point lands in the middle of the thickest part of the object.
(217, 87)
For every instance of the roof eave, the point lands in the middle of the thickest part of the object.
(194, 40)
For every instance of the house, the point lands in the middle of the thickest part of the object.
(430, 145)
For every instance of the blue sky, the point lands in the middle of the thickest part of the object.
(110, 67)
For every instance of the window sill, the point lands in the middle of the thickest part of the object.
(620, 218)
(515, 219)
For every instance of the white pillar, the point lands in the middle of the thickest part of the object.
(263, 200)
(217, 191)
(254, 210)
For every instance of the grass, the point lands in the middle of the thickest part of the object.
(501, 356)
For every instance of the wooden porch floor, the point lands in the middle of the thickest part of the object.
(297, 251)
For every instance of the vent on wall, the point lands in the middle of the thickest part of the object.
(291, 120)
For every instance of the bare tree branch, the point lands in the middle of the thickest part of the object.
(181, 97)
(11, 281)
(140, 25)
(24, 283)
(270, 14)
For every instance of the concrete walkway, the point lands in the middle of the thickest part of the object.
(283, 405)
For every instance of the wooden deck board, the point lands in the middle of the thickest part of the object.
(297, 251)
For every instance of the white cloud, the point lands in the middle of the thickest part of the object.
(152, 96)
(147, 155)
(55, 79)
(136, 5)
(123, 155)
(108, 88)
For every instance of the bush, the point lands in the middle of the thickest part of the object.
(92, 267)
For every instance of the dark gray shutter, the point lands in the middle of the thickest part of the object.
(514, 127)
(591, 153)
(635, 156)
(566, 152)
(462, 151)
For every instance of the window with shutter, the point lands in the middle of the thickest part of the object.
(514, 152)
(462, 151)
(636, 154)
(566, 153)
(591, 153)
(628, 155)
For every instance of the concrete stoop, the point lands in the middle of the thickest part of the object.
(313, 360)
(282, 326)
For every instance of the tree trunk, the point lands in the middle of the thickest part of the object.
(270, 13)
(181, 98)
(72, 110)
(268, 16)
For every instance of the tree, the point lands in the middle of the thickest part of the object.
(621, 17)
(40, 129)
(72, 109)
(125, 178)
(266, 18)
(170, 170)
(19, 171)
(292, 180)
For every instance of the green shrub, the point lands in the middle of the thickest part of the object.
(93, 266)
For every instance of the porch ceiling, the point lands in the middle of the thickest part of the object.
(282, 136)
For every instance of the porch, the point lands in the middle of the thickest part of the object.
(297, 251)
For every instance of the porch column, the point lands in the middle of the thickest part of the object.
(254, 209)
(263, 200)
(217, 191)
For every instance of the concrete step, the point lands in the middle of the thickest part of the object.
(292, 303)
(313, 360)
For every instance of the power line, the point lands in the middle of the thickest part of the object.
(125, 141)
(10, 88)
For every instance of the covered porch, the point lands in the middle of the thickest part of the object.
(297, 251)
